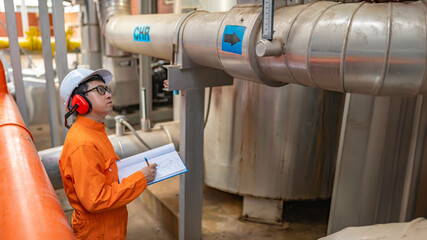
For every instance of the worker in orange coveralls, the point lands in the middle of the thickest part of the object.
(88, 162)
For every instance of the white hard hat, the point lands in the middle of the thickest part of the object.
(77, 76)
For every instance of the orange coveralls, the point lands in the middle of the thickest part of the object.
(89, 173)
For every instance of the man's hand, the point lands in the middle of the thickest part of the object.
(149, 172)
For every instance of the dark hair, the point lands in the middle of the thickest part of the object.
(84, 85)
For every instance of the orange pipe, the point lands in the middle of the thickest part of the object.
(29, 207)
(3, 85)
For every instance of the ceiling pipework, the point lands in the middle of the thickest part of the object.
(374, 49)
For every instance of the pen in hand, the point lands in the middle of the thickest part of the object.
(149, 171)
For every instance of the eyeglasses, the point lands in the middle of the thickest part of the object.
(101, 90)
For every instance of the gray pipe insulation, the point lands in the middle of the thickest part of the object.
(124, 146)
(366, 48)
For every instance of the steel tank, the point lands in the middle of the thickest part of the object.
(278, 143)
(268, 142)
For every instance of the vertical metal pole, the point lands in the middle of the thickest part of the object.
(60, 51)
(145, 122)
(24, 17)
(373, 172)
(12, 32)
(413, 166)
(145, 73)
(50, 84)
(91, 48)
(351, 160)
(147, 7)
(191, 150)
(146, 82)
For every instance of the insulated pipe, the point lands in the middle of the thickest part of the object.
(124, 31)
(28, 204)
(162, 27)
(124, 146)
(91, 42)
(105, 8)
(374, 49)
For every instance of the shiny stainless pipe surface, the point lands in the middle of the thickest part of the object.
(90, 35)
(374, 49)
(120, 29)
(106, 10)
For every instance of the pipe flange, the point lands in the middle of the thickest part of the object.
(236, 43)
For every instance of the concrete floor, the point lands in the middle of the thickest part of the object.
(154, 214)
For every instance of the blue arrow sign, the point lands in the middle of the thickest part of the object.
(232, 39)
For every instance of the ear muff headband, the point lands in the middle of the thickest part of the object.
(80, 103)
(68, 114)
(84, 105)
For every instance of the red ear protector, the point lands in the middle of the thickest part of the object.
(83, 104)
(80, 104)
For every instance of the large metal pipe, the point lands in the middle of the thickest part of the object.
(105, 10)
(124, 146)
(91, 38)
(28, 204)
(374, 49)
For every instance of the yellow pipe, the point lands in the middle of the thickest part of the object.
(33, 42)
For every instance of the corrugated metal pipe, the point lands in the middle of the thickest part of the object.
(29, 206)
(120, 7)
(366, 48)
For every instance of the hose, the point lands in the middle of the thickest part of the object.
(209, 107)
(128, 125)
